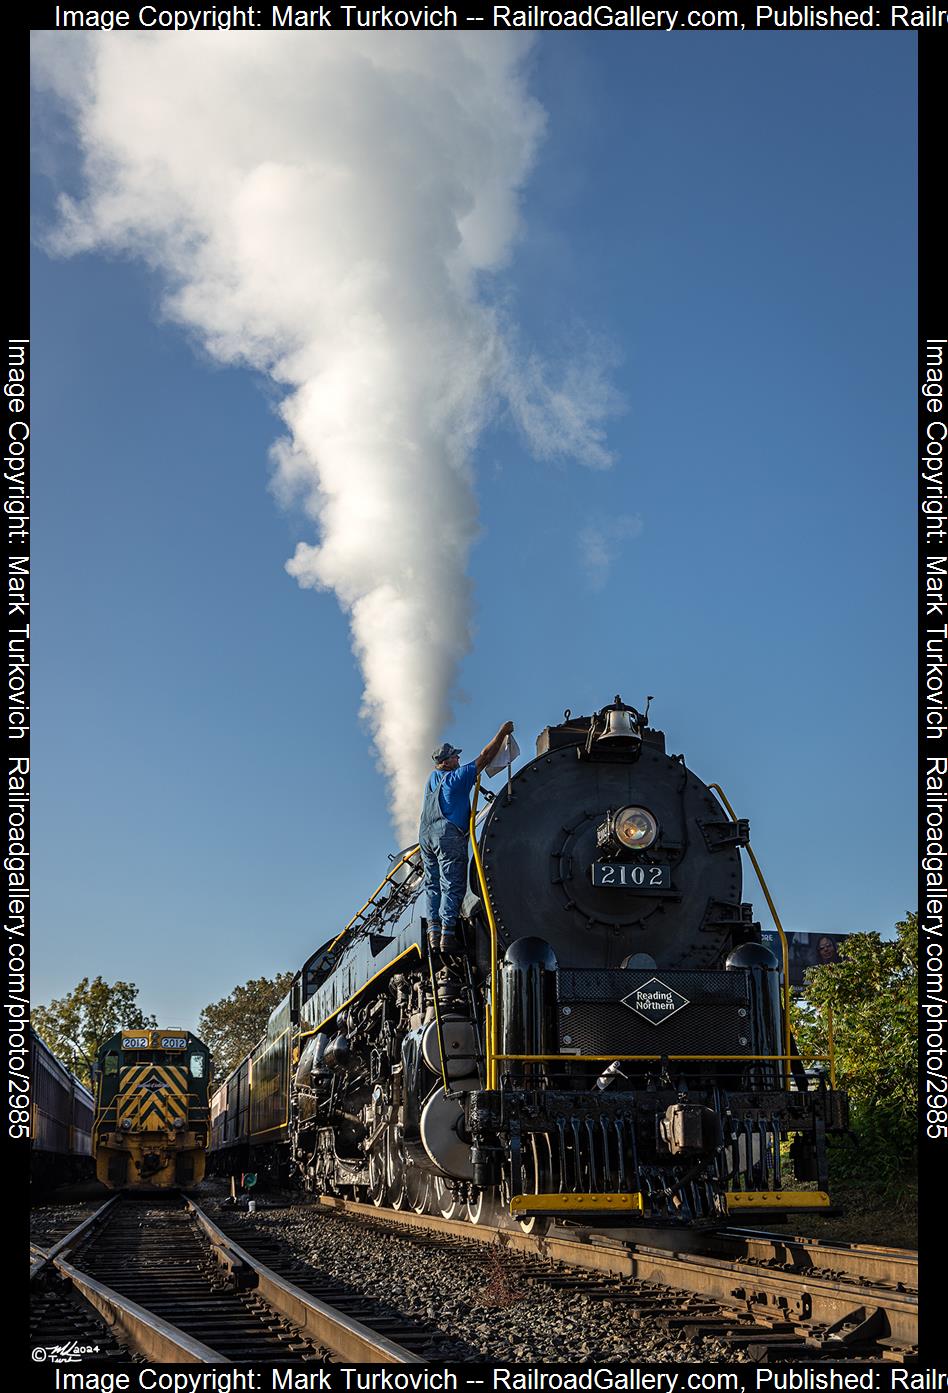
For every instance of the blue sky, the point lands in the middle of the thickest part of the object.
(727, 222)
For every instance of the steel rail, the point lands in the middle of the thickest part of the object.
(159, 1340)
(145, 1332)
(340, 1334)
(141, 1330)
(898, 1266)
(48, 1255)
(812, 1298)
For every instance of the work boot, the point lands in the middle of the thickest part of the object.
(434, 937)
(450, 942)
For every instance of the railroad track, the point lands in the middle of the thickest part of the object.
(422, 1338)
(767, 1294)
(165, 1282)
(161, 1281)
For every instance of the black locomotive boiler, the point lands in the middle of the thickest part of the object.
(613, 1043)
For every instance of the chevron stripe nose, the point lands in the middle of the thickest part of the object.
(152, 1096)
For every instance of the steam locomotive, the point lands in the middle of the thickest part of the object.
(613, 1044)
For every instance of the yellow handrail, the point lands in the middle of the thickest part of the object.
(371, 900)
(491, 1042)
(716, 788)
(597, 1058)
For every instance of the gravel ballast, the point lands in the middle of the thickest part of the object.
(483, 1310)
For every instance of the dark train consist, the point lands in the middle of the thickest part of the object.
(151, 1109)
(61, 1120)
(613, 1043)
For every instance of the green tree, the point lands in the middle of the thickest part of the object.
(232, 1026)
(872, 993)
(76, 1026)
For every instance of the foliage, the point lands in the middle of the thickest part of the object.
(873, 995)
(76, 1026)
(232, 1026)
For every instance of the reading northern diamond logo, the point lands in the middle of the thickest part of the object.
(655, 1001)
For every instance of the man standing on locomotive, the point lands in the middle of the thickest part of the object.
(442, 836)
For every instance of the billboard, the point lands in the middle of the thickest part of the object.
(805, 950)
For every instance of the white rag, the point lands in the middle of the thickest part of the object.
(508, 752)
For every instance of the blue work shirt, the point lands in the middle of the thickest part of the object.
(454, 796)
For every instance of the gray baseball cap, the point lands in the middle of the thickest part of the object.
(444, 752)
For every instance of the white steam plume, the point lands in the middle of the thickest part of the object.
(324, 208)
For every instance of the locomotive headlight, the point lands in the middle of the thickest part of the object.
(635, 828)
(126, 1124)
(178, 1124)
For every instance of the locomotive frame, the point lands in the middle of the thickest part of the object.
(619, 1051)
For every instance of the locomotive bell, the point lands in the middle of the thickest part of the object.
(620, 726)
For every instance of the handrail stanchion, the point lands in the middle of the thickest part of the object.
(716, 788)
(491, 1042)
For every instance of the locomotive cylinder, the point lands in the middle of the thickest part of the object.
(528, 1003)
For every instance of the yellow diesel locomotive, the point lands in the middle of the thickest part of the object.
(151, 1109)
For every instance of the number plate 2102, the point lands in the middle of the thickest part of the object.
(620, 875)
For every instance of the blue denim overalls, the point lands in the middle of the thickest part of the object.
(444, 855)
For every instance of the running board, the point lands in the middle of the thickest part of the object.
(528, 1206)
(742, 1201)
